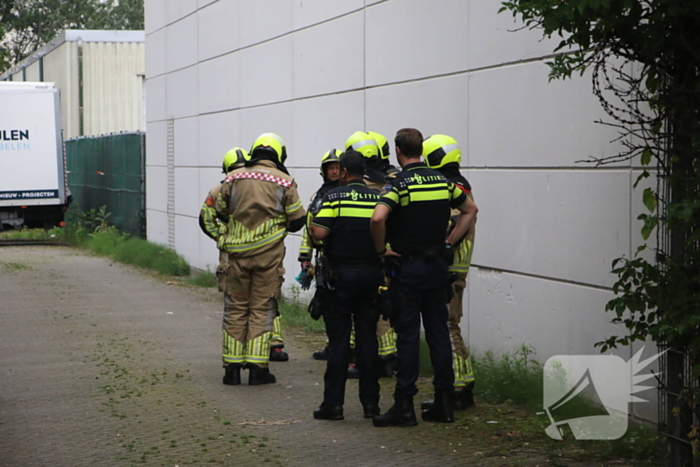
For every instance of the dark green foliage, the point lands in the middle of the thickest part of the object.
(645, 57)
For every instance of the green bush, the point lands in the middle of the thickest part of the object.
(203, 279)
(24, 234)
(513, 377)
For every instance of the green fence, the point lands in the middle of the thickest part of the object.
(110, 171)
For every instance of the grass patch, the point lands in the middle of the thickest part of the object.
(9, 267)
(295, 314)
(24, 234)
(515, 377)
(202, 279)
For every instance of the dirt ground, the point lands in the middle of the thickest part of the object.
(102, 364)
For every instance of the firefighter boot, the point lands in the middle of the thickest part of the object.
(329, 412)
(464, 398)
(400, 414)
(277, 354)
(258, 376)
(233, 374)
(443, 408)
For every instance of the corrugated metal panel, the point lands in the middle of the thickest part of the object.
(33, 72)
(112, 86)
(61, 67)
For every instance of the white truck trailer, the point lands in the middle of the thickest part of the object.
(33, 186)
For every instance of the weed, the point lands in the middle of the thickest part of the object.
(9, 267)
(295, 314)
(24, 234)
(202, 279)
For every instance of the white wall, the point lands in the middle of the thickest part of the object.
(315, 71)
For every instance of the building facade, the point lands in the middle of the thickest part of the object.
(219, 73)
(100, 75)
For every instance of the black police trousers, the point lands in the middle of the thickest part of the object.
(353, 299)
(418, 289)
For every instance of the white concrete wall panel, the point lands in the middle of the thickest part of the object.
(414, 39)
(154, 11)
(187, 240)
(188, 199)
(218, 133)
(493, 39)
(156, 46)
(218, 30)
(519, 119)
(186, 132)
(308, 12)
(178, 9)
(208, 179)
(507, 310)
(220, 83)
(329, 57)
(263, 20)
(209, 256)
(436, 106)
(181, 44)
(157, 101)
(278, 118)
(560, 224)
(182, 93)
(203, 3)
(324, 123)
(156, 144)
(157, 188)
(267, 72)
(157, 226)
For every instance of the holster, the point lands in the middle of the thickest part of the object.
(319, 303)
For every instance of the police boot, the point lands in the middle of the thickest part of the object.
(329, 412)
(464, 398)
(370, 410)
(258, 376)
(442, 409)
(277, 354)
(387, 366)
(233, 374)
(353, 372)
(321, 354)
(400, 414)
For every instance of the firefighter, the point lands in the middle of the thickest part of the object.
(330, 171)
(214, 227)
(413, 218)
(442, 153)
(354, 273)
(261, 204)
(375, 148)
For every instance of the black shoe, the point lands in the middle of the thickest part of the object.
(400, 414)
(371, 410)
(442, 409)
(258, 376)
(464, 398)
(278, 355)
(329, 412)
(388, 366)
(233, 374)
(353, 372)
(321, 354)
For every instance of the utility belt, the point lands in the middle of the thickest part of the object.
(429, 255)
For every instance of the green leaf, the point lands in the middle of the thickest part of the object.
(649, 225)
(649, 198)
(646, 156)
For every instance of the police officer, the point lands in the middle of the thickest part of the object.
(330, 171)
(261, 203)
(413, 217)
(355, 274)
(443, 154)
(375, 148)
